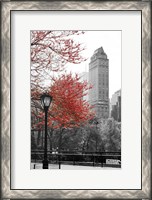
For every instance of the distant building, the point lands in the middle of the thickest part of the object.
(115, 106)
(99, 78)
(84, 76)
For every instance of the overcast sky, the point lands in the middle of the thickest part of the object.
(111, 43)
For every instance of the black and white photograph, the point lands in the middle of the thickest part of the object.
(75, 99)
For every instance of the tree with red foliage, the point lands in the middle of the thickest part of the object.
(68, 107)
(50, 52)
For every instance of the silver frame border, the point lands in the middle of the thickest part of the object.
(145, 7)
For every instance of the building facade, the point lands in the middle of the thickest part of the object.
(99, 78)
(115, 106)
(84, 76)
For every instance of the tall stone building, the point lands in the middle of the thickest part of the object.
(84, 76)
(99, 78)
(115, 106)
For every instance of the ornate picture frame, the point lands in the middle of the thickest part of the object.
(6, 135)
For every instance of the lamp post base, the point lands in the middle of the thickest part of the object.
(45, 164)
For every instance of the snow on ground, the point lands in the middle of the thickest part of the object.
(70, 167)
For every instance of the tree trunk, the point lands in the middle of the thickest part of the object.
(96, 144)
(60, 140)
(50, 139)
(88, 140)
(38, 137)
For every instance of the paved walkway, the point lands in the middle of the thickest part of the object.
(69, 167)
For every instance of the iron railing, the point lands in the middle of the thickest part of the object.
(100, 159)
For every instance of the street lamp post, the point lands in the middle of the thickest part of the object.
(45, 101)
